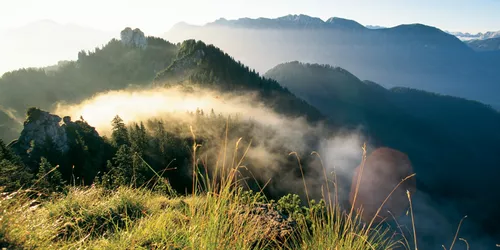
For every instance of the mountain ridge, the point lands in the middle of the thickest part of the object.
(299, 21)
(475, 36)
(412, 55)
(207, 65)
(288, 21)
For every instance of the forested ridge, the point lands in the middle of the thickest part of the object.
(110, 67)
(208, 66)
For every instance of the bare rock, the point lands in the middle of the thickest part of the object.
(42, 128)
(134, 38)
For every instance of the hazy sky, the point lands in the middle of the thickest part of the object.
(157, 16)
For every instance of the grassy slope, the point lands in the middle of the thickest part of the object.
(219, 216)
(134, 219)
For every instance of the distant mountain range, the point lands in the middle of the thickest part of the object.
(288, 22)
(477, 36)
(414, 55)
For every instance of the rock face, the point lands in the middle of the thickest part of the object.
(41, 128)
(58, 140)
(383, 170)
(133, 38)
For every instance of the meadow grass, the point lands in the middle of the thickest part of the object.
(218, 214)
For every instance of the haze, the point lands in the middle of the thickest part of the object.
(68, 28)
(161, 15)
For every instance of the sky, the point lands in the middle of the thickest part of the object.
(157, 16)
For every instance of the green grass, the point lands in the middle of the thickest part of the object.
(217, 215)
(127, 218)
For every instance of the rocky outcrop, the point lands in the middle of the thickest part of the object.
(41, 128)
(47, 135)
(134, 38)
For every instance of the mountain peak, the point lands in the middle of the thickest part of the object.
(417, 27)
(301, 19)
(344, 23)
(221, 21)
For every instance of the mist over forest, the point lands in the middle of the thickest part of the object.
(296, 106)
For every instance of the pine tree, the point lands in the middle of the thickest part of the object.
(119, 136)
(48, 178)
(138, 139)
(5, 153)
(13, 174)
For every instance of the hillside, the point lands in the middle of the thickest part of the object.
(207, 66)
(443, 135)
(74, 145)
(414, 55)
(114, 66)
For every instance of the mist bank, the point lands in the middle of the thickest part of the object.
(271, 137)
(135, 105)
(270, 130)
